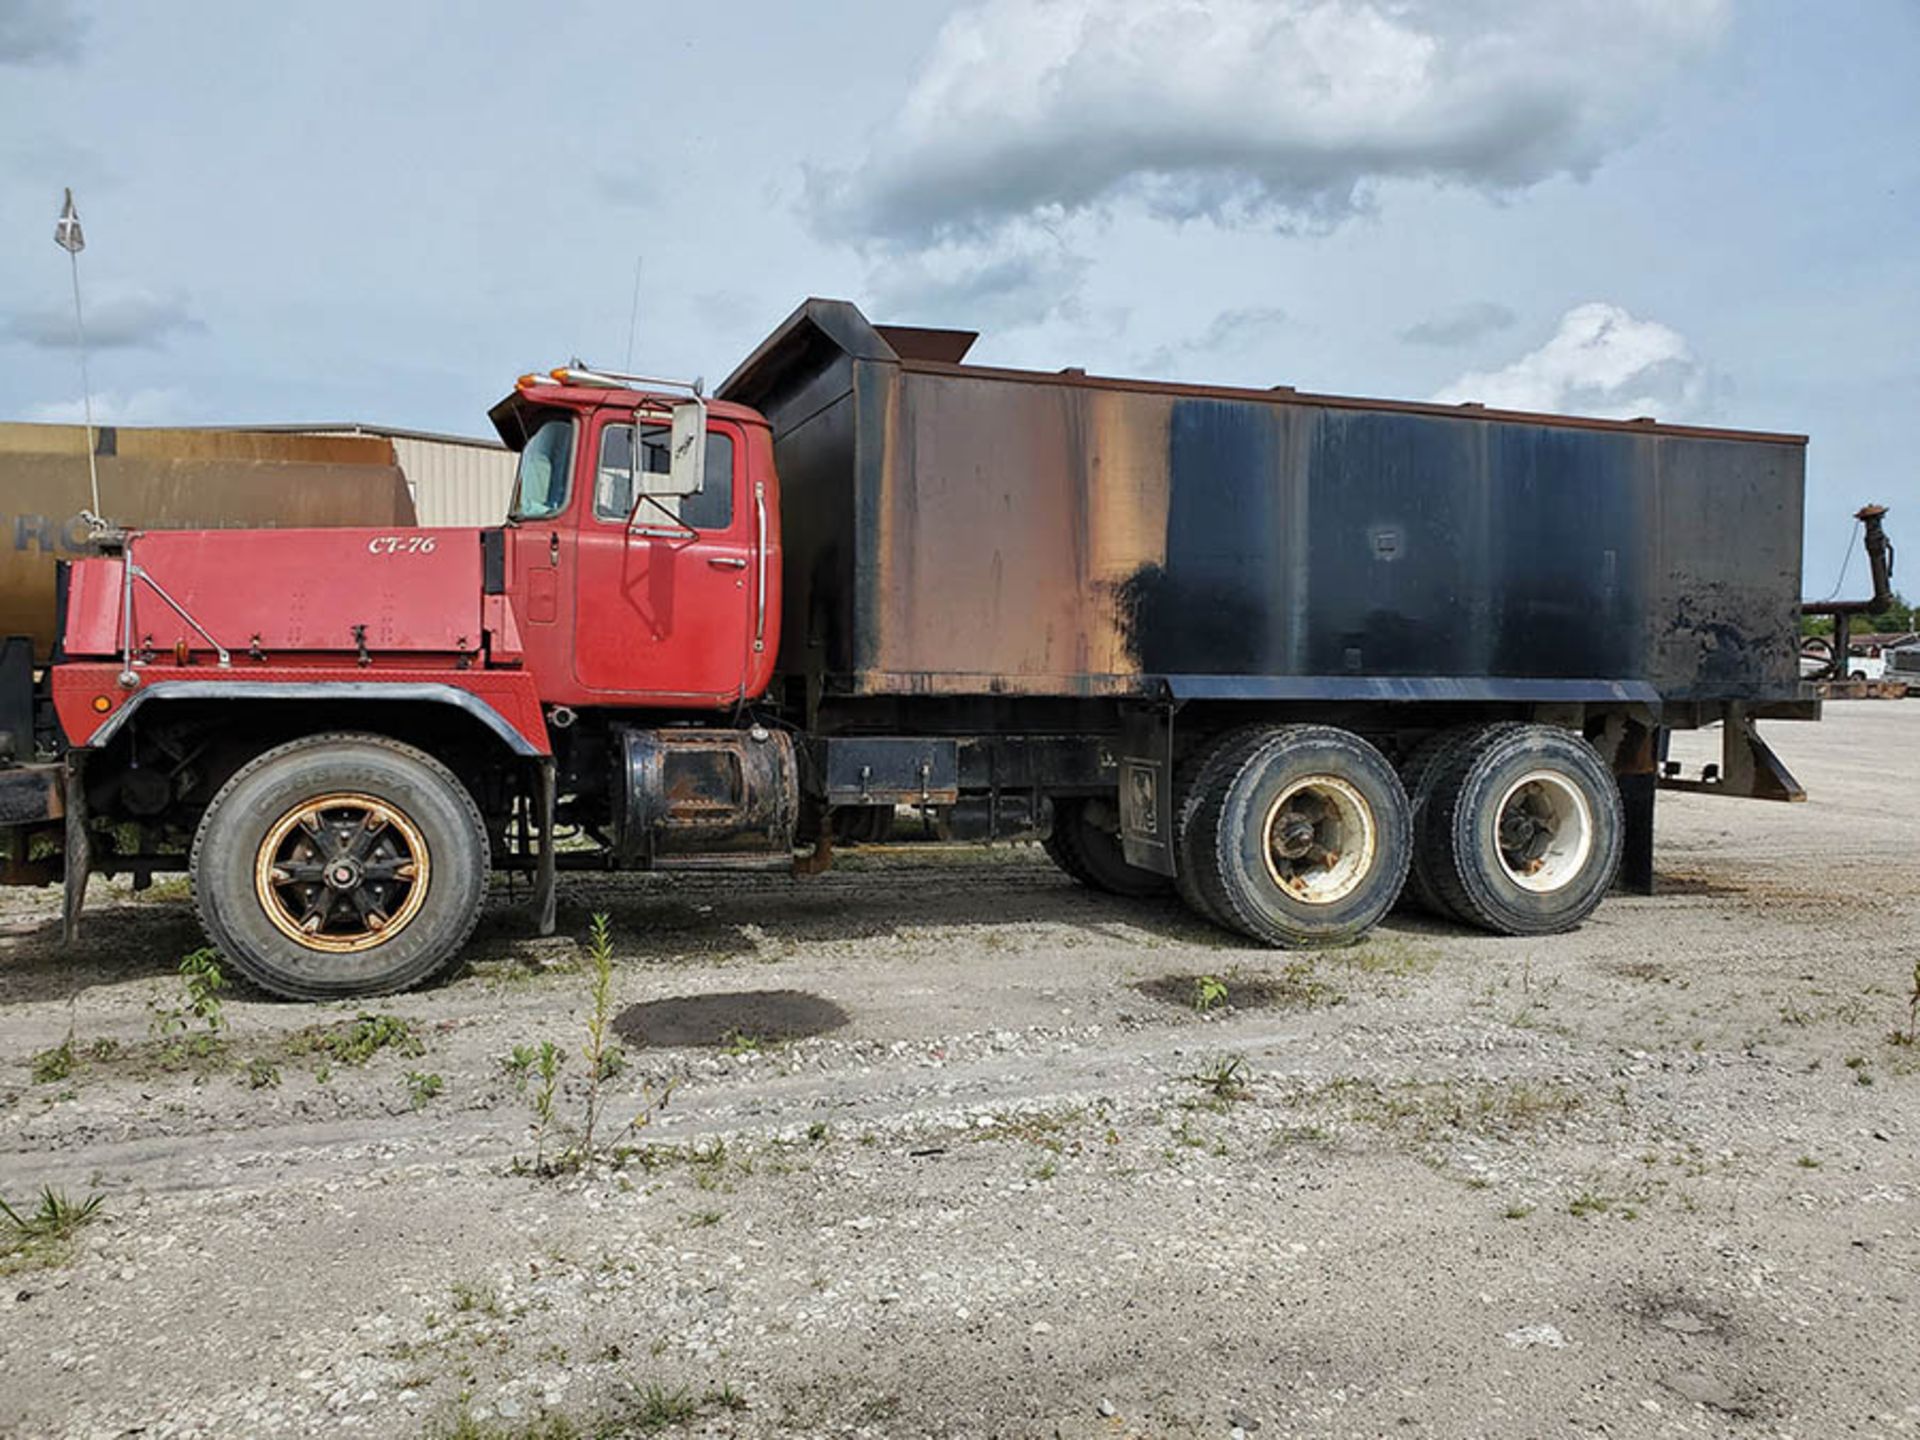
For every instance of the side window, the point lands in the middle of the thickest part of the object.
(613, 489)
(540, 488)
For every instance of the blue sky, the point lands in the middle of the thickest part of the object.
(1706, 209)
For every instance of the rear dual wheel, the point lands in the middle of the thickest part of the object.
(340, 865)
(1297, 835)
(1517, 828)
(1093, 855)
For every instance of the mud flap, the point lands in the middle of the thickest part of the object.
(1146, 787)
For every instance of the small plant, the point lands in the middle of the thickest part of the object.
(657, 1407)
(1807, 1162)
(43, 1236)
(1224, 1080)
(423, 1088)
(519, 1063)
(262, 1074)
(702, 1219)
(1516, 1212)
(1911, 1036)
(56, 1064)
(368, 1035)
(599, 1019)
(740, 1042)
(546, 1069)
(817, 1132)
(471, 1299)
(200, 1009)
(1209, 993)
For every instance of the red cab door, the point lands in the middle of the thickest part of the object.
(663, 588)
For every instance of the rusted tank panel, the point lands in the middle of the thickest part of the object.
(173, 479)
(959, 529)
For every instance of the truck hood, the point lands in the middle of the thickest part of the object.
(402, 592)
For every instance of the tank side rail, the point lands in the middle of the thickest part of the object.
(1506, 689)
(1748, 768)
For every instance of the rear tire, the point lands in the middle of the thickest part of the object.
(1094, 856)
(340, 865)
(1523, 831)
(1420, 773)
(1301, 838)
(1198, 774)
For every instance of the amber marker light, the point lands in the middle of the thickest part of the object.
(102, 704)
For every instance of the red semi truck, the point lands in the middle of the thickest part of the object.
(1286, 654)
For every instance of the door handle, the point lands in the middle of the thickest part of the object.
(726, 562)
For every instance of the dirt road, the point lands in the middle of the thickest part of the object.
(991, 1157)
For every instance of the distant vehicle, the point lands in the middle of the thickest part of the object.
(1904, 664)
(1867, 664)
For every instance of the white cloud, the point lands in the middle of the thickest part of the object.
(126, 320)
(163, 406)
(1600, 361)
(1273, 110)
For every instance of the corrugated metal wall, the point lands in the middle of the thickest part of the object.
(455, 481)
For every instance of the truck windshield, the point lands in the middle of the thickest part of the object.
(540, 489)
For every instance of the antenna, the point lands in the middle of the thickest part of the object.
(68, 235)
(633, 312)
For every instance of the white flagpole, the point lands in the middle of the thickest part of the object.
(69, 237)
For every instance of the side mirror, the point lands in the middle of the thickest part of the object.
(686, 455)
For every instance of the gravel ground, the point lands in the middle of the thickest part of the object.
(971, 1162)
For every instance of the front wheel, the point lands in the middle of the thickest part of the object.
(1300, 838)
(340, 865)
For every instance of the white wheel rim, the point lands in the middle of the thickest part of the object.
(1543, 832)
(1319, 839)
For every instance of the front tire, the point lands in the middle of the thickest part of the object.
(340, 865)
(1523, 831)
(1301, 839)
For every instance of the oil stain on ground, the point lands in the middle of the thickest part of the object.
(767, 1016)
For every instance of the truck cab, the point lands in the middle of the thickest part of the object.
(639, 585)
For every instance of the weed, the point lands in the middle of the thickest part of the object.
(1046, 1169)
(1516, 1212)
(594, 1052)
(262, 1074)
(519, 1064)
(1912, 1035)
(1807, 1162)
(1588, 1203)
(546, 1068)
(1429, 1110)
(739, 1042)
(422, 1089)
(54, 1065)
(471, 1299)
(1209, 992)
(817, 1132)
(200, 1008)
(656, 1407)
(43, 1236)
(367, 1036)
(702, 1219)
(1224, 1080)
(103, 1049)
(725, 1397)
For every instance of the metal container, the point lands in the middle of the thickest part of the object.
(957, 529)
(177, 480)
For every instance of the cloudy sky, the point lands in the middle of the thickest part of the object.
(1703, 210)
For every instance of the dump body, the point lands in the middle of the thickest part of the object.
(956, 529)
(153, 479)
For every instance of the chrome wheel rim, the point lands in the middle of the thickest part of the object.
(342, 873)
